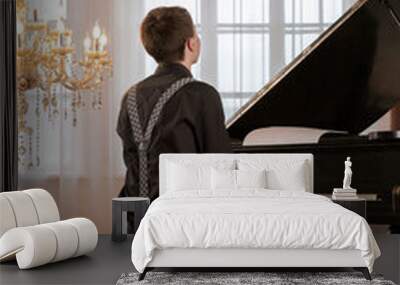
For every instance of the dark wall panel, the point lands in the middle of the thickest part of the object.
(8, 98)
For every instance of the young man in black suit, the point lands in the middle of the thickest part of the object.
(168, 112)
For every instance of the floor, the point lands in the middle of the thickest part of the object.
(103, 266)
(388, 264)
(110, 260)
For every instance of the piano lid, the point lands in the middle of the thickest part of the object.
(345, 80)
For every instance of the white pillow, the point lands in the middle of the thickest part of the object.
(193, 174)
(291, 179)
(223, 179)
(251, 178)
(282, 174)
(188, 177)
(226, 179)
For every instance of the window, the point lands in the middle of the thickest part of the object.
(305, 20)
(242, 50)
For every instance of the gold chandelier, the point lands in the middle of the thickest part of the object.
(49, 71)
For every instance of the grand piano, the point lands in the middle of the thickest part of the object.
(323, 101)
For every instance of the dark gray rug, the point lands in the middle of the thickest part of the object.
(243, 278)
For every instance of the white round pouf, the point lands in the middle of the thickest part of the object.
(7, 216)
(46, 207)
(67, 240)
(87, 233)
(23, 208)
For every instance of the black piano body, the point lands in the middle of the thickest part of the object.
(344, 81)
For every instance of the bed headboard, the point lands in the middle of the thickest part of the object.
(193, 157)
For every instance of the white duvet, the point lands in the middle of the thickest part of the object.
(250, 219)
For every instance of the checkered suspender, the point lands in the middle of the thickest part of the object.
(143, 140)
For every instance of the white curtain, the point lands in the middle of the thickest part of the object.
(82, 166)
(244, 44)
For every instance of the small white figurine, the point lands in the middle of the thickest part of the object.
(347, 174)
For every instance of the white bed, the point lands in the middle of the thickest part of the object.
(281, 224)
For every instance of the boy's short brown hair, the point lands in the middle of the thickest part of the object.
(164, 32)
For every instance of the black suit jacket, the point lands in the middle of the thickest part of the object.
(192, 121)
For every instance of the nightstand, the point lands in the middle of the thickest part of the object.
(120, 207)
(357, 205)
